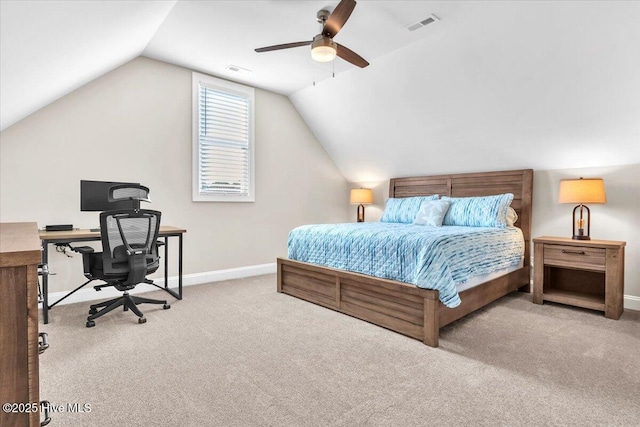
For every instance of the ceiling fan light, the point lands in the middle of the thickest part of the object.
(323, 49)
(323, 54)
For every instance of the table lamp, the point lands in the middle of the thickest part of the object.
(361, 196)
(582, 191)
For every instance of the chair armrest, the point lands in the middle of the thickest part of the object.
(84, 249)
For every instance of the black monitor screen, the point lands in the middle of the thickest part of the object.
(94, 197)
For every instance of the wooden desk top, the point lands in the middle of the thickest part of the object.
(19, 244)
(87, 234)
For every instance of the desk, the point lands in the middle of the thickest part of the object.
(53, 237)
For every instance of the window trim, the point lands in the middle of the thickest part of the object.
(230, 87)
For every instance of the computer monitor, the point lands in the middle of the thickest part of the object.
(94, 197)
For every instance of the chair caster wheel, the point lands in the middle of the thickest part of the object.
(142, 320)
(90, 323)
(166, 306)
(92, 311)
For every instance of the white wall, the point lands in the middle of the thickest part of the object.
(134, 124)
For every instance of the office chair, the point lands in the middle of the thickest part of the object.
(129, 252)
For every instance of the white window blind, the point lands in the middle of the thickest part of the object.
(224, 146)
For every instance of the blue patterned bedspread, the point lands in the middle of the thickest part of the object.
(428, 257)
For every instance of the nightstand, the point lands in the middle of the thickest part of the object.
(582, 273)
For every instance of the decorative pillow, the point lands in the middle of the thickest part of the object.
(432, 212)
(489, 211)
(512, 217)
(404, 210)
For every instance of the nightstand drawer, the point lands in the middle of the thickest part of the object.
(583, 258)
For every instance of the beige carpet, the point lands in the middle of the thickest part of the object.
(236, 353)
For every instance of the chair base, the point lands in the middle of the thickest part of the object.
(128, 302)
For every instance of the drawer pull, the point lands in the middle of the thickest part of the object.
(43, 342)
(564, 251)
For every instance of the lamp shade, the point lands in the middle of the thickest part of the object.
(362, 196)
(584, 191)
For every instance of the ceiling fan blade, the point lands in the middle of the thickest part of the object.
(282, 46)
(351, 56)
(338, 17)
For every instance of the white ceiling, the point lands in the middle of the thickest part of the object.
(210, 35)
(543, 85)
(493, 85)
(49, 48)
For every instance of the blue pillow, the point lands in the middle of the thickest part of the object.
(488, 211)
(404, 210)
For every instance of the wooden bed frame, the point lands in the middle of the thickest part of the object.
(402, 307)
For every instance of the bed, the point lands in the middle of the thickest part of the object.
(403, 307)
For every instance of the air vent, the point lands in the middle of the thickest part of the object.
(429, 20)
(237, 69)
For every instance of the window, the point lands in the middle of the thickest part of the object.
(223, 140)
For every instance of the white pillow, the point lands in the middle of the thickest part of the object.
(432, 212)
(512, 217)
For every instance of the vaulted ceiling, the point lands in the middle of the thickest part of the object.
(492, 85)
(50, 48)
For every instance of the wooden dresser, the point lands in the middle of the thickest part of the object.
(19, 382)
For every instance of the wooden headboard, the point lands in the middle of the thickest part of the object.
(518, 182)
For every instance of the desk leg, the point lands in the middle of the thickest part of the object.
(45, 284)
(180, 266)
(166, 262)
(175, 294)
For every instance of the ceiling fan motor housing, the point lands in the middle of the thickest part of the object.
(322, 16)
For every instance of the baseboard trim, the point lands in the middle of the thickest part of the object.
(632, 302)
(89, 294)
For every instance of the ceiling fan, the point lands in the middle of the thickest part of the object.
(323, 48)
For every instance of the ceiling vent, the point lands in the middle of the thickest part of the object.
(423, 23)
(238, 70)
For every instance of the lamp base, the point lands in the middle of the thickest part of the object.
(360, 217)
(581, 233)
(581, 238)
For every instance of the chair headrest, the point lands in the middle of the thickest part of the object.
(122, 192)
